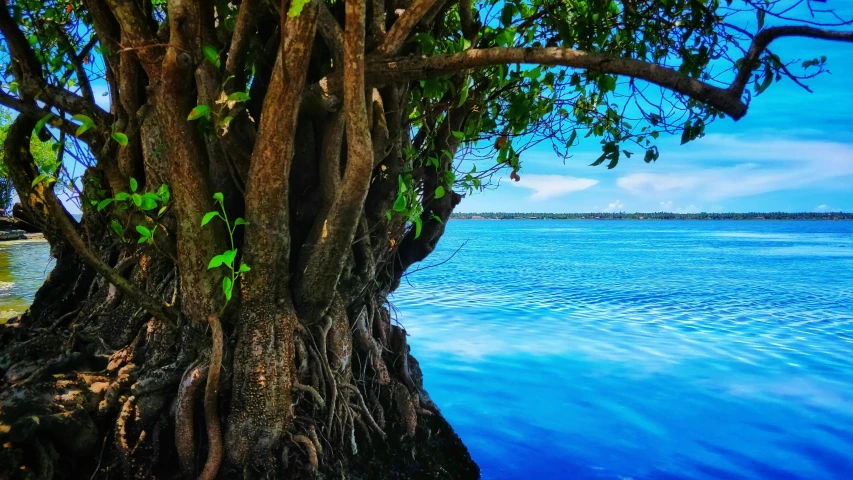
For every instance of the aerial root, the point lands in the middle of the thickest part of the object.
(310, 449)
(184, 431)
(362, 407)
(211, 418)
(318, 399)
(312, 433)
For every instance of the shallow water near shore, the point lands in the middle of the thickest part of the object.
(24, 264)
(626, 349)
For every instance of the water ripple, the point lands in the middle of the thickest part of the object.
(643, 350)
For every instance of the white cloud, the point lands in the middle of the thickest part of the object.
(752, 167)
(826, 208)
(616, 206)
(670, 207)
(550, 186)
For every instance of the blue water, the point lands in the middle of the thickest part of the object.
(24, 264)
(641, 349)
(628, 349)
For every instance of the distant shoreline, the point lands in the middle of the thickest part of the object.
(655, 216)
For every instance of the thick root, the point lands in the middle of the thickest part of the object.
(184, 431)
(211, 418)
(309, 449)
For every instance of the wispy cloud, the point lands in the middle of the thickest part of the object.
(760, 166)
(670, 207)
(551, 186)
(826, 208)
(616, 206)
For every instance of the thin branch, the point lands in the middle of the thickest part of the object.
(403, 27)
(764, 38)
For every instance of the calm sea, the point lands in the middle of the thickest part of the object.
(628, 349)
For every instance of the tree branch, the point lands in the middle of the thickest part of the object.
(189, 180)
(244, 29)
(402, 28)
(25, 65)
(332, 34)
(328, 255)
(135, 28)
(466, 17)
(763, 40)
(23, 169)
(382, 72)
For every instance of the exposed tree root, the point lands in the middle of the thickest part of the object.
(214, 433)
(184, 431)
(310, 449)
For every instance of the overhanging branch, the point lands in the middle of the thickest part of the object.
(406, 69)
(767, 36)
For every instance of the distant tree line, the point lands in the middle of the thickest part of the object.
(658, 216)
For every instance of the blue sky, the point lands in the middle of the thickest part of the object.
(793, 152)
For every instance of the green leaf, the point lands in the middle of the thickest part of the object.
(103, 203)
(137, 199)
(39, 179)
(215, 262)
(458, 134)
(162, 209)
(240, 221)
(122, 196)
(208, 217)
(685, 135)
(218, 197)
(143, 230)
(607, 83)
(243, 268)
(164, 194)
(198, 112)
(13, 87)
(418, 226)
(439, 192)
(41, 123)
(149, 201)
(400, 203)
(229, 256)
(117, 228)
(227, 287)
(85, 124)
(142, 240)
(760, 17)
(463, 95)
(388, 214)
(133, 184)
(239, 96)
(436, 218)
(211, 55)
(296, 7)
(120, 138)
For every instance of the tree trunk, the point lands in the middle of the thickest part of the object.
(93, 384)
(170, 341)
